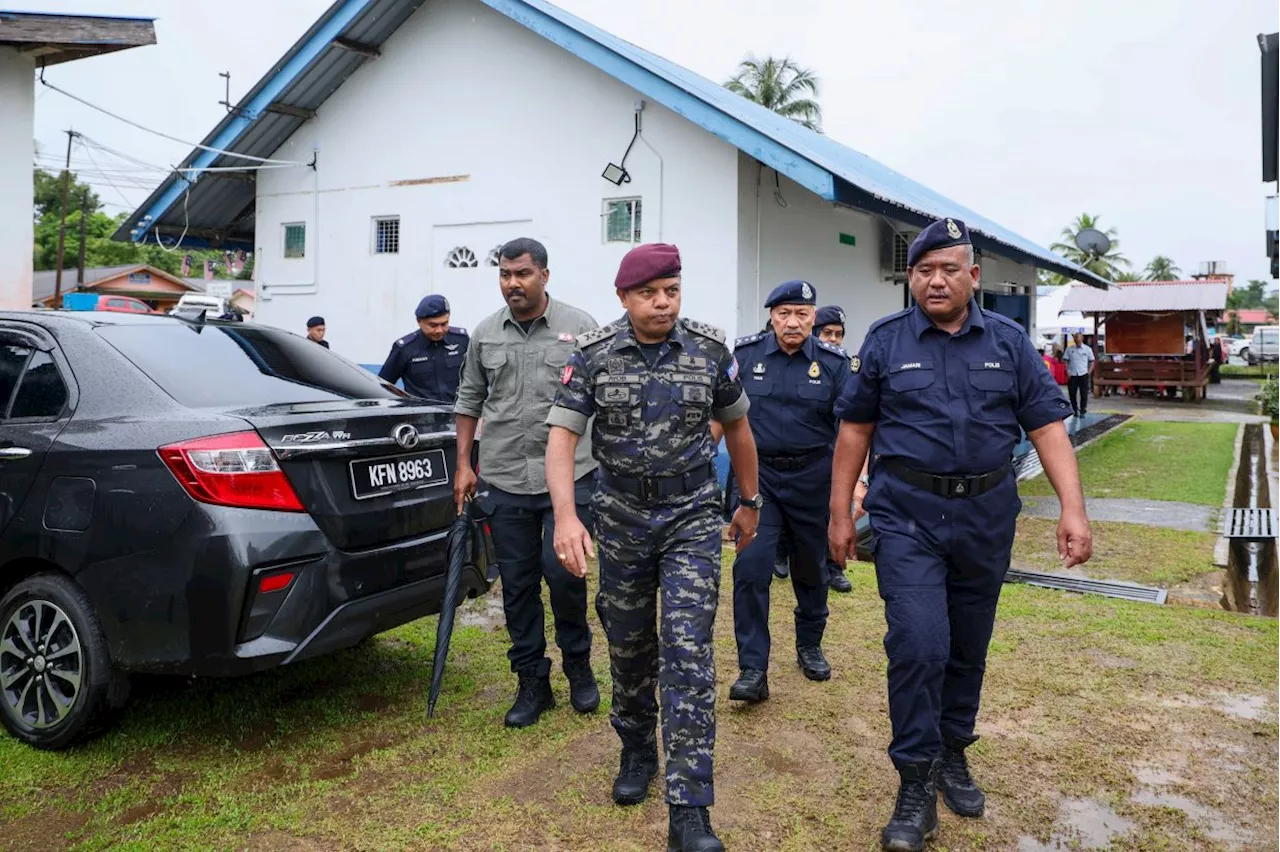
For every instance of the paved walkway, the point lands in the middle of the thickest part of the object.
(1153, 513)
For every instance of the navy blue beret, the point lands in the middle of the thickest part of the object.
(792, 293)
(943, 233)
(315, 321)
(432, 306)
(828, 315)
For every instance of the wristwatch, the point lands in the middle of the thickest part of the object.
(756, 502)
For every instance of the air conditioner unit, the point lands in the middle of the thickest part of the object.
(894, 243)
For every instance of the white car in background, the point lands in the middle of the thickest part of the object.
(1264, 346)
(1237, 345)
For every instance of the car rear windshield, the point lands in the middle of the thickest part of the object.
(222, 366)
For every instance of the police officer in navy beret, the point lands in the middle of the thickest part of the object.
(793, 380)
(315, 331)
(429, 360)
(938, 393)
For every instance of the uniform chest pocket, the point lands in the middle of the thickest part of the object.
(909, 391)
(618, 402)
(497, 368)
(992, 384)
(814, 394)
(692, 394)
(758, 387)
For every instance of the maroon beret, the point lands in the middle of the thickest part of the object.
(645, 263)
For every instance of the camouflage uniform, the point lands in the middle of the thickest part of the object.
(652, 425)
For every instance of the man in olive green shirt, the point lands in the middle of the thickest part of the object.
(509, 378)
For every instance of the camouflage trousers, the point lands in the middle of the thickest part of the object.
(672, 550)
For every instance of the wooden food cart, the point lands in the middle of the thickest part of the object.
(1145, 326)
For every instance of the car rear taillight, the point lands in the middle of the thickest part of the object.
(237, 469)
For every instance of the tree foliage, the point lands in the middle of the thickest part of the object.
(782, 86)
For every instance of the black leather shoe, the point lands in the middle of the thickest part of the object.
(635, 772)
(781, 567)
(584, 694)
(959, 791)
(689, 830)
(533, 697)
(839, 582)
(752, 685)
(915, 815)
(813, 663)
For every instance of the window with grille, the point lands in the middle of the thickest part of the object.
(901, 246)
(461, 258)
(622, 220)
(295, 240)
(386, 235)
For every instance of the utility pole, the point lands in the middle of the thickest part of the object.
(84, 219)
(62, 228)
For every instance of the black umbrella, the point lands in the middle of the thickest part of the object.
(459, 550)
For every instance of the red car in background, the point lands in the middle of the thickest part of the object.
(103, 302)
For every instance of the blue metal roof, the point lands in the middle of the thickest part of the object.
(832, 171)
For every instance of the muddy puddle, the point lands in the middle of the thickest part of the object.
(1252, 579)
(1081, 824)
(485, 612)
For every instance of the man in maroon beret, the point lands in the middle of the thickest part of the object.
(654, 383)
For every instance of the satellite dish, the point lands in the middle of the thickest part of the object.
(1093, 242)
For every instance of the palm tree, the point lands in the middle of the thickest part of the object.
(1162, 268)
(1107, 265)
(1127, 277)
(782, 86)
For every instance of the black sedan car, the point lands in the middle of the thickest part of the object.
(200, 498)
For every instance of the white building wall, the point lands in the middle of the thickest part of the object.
(799, 237)
(525, 130)
(17, 233)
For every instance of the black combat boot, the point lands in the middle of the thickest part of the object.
(635, 772)
(584, 695)
(689, 830)
(533, 696)
(781, 567)
(752, 685)
(915, 816)
(959, 791)
(813, 663)
(839, 582)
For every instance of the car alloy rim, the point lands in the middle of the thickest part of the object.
(41, 664)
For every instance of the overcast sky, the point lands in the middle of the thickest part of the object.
(1146, 112)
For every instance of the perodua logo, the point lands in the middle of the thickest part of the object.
(405, 435)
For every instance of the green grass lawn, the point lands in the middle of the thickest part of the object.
(1086, 699)
(1180, 462)
(1260, 371)
(1134, 552)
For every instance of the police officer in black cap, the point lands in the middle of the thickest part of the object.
(315, 331)
(429, 360)
(828, 326)
(939, 393)
(793, 380)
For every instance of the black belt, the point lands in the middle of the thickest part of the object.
(794, 462)
(652, 488)
(948, 486)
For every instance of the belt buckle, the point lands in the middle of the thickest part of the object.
(648, 488)
(964, 486)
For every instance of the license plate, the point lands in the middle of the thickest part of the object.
(392, 474)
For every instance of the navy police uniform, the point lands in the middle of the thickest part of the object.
(793, 421)
(947, 409)
(430, 369)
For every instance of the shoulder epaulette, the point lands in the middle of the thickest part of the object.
(408, 338)
(888, 319)
(749, 339)
(832, 348)
(1001, 318)
(590, 338)
(453, 329)
(704, 329)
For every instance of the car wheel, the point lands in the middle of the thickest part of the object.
(56, 680)
(1244, 353)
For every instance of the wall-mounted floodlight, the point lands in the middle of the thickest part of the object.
(616, 175)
